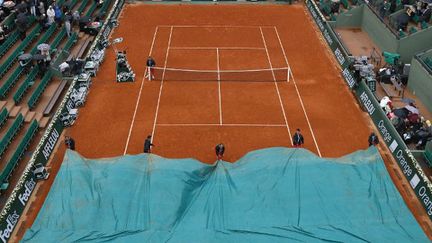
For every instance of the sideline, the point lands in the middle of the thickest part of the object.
(277, 88)
(161, 86)
(139, 94)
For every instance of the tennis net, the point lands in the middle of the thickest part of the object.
(251, 75)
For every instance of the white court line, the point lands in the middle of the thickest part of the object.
(300, 98)
(276, 86)
(139, 95)
(217, 124)
(219, 87)
(216, 47)
(161, 86)
(283, 52)
(217, 26)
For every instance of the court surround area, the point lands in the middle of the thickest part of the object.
(243, 75)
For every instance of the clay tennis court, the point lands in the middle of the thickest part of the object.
(189, 115)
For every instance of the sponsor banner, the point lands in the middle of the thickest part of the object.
(329, 35)
(349, 78)
(10, 220)
(397, 147)
(403, 156)
(49, 143)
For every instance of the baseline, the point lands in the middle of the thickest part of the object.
(217, 124)
(216, 47)
(217, 26)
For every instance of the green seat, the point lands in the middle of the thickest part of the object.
(326, 9)
(34, 98)
(19, 152)
(3, 116)
(58, 38)
(332, 17)
(424, 25)
(4, 68)
(428, 153)
(10, 82)
(91, 9)
(11, 133)
(345, 4)
(82, 6)
(4, 186)
(19, 94)
(71, 41)
(415, 18)
(401, 33)
(412, 30)
(9, 42)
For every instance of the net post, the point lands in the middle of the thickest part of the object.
(289, 74)
(149, 75)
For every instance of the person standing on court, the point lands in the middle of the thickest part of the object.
(298, 139)
(150, 68)
(148, 144)
(220, 149)
(373, 139)
(70, 143)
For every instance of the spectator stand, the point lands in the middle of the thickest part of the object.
(52, 133)
(332, 8)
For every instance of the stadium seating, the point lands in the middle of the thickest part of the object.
(104, 7)
(82, 6)
(19, 94)
(345, 4)
(44, 39)
(10, 82)
(5, 88)
(14, 35)
(3, 117)
(34, 98)
(9, 42)
(71, 41)
(11, 133)
(59, 37)
(91, 9)
(12, 39)
(10, 20)
(4, 68)
(17, 155)
(428, 62)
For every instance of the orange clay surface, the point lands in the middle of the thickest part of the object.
(188, 118)
(189, 113)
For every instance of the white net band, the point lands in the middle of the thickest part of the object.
(249, 75)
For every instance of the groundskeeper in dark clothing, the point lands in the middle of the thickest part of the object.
(148, 144)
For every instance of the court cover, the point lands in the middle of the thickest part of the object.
(270, 195)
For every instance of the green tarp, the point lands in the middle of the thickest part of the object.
(270, 195)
